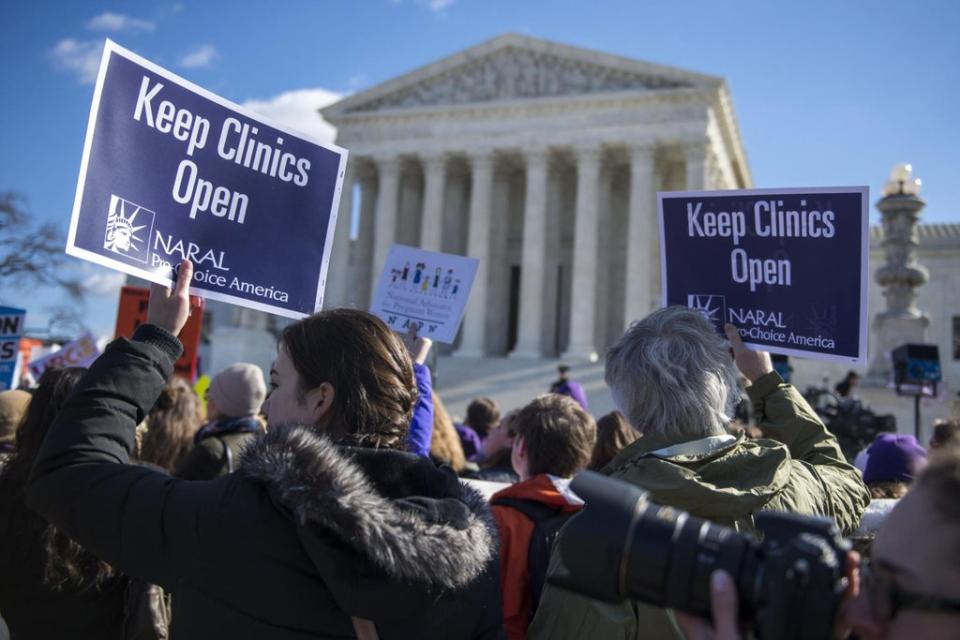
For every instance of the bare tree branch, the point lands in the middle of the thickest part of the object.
(31, 252)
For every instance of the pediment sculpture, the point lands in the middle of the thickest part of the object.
(515, 73)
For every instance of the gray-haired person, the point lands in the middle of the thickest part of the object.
(672, 376)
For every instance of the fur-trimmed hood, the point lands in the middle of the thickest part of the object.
(413, 522)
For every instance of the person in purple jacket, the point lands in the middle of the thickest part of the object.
(567, 387)
(483, 414)
(421, 425)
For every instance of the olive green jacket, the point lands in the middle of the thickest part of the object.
(799, 468)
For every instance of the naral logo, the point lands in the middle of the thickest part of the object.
(129, 227)
(713, 307)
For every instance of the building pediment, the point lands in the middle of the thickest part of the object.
(513, 67)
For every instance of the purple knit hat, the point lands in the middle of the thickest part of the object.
(894, 458)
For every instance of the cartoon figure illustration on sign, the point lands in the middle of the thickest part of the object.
(447, 281)
(394, 274)
(436, 278)
(418, 273)
(426, 285)
(406, 270)
(456, 287)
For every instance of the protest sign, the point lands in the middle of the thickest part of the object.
(788, 267)
(423, 287)
(79, 353)
(172, 171)
(27, 346)
(11, 330)
(132, 312)
(200, 387)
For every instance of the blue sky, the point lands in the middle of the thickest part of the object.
(827, 93)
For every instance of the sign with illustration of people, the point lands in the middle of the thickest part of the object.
(171, 171)
(787, 267)
(426, 288)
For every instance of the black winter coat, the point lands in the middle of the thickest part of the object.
(305, 536)
(35, 610)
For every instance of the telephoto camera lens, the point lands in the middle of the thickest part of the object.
(623, 546)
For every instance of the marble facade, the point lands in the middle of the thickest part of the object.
(543, 161)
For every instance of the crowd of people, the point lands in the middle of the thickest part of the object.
(341, 499)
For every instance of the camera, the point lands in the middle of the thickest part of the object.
(790, 584)
(854, 425)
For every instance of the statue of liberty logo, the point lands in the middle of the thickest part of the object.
(712, 307)
(125, 222)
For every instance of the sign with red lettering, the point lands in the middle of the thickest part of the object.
(79, 353)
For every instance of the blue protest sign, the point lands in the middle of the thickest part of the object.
(788, 267)
(172, 171)
(11, 330)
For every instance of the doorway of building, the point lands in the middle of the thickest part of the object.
(513, 315)
(558, 332)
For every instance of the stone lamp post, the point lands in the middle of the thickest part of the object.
(901, 322)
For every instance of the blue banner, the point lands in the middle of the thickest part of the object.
(11, 330)
(172, 171)
(787, 267)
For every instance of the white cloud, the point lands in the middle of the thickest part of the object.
(298, 110)
(99, 281)
(82, 57)
(109, 21)
(202, 56)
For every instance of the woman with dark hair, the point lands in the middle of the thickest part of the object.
(483, 415)
(171, 425)
(614, 433)
(328, 528)
(51, 587)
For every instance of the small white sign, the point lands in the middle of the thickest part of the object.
(424, 287)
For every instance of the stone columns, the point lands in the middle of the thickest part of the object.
(338, 270)
(583, 302)
(385, 229)
(431, 224)
(643, 237)
(473, 339)
(696, 158)
(359, 296)
(534, 257)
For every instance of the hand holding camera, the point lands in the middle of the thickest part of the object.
(789, 586)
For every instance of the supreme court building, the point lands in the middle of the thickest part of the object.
(542, 160)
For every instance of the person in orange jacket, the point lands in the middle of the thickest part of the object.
(554, 440)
